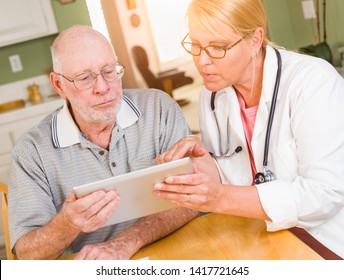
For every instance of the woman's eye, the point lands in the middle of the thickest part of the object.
(218, 48)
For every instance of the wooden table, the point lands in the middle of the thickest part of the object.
(216, 237)
(222, 237)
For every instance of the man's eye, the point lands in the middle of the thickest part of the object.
(109, 71)
(83, 77)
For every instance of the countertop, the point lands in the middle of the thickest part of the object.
(48, 105)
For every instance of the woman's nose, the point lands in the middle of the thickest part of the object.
(204, 58)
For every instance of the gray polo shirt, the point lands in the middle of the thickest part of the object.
(54, 156)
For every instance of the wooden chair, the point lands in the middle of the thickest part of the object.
(4, 215)
(166, 81)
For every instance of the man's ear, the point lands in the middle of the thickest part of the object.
(56, 84)
(257, 40)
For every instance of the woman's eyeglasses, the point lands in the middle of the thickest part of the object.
(213, 51)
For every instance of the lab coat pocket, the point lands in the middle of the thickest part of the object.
(286, 162)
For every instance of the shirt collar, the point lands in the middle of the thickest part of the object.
(66, 133)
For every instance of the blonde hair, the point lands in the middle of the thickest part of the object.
(242, 16)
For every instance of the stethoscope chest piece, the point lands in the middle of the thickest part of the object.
(264, 177)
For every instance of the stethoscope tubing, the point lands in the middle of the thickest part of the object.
(273, 107)
(271, 113)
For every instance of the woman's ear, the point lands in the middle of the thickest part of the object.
(257, 40)
(56, 84)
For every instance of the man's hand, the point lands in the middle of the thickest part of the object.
(115, 249)
(89, 213)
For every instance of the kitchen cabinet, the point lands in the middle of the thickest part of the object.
(25, 20)
(9, 134)
(12, 125)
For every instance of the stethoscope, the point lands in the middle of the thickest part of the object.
(266, 175)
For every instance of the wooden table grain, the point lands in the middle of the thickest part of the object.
(220, 237)
(224, 237)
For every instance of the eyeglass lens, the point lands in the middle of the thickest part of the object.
(211, 50)
(87, 80)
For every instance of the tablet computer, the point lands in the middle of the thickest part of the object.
(136, 190)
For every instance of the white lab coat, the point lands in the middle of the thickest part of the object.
(306, 151)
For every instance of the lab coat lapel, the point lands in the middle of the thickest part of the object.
(234, 115)
(259, 131)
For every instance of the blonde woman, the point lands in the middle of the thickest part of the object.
(271, 123)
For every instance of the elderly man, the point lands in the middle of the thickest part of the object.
(101, 131)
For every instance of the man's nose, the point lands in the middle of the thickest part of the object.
(101, 84)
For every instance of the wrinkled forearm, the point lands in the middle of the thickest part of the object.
(47, 242)
(149, 229)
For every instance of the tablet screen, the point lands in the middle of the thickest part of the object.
(135, 190)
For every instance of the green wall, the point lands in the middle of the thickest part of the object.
(35, 54)
(288, 28)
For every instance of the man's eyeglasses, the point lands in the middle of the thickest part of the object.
(211, 50)
(88, 79)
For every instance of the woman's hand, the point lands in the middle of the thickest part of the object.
(201, 191)
(190, 146)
